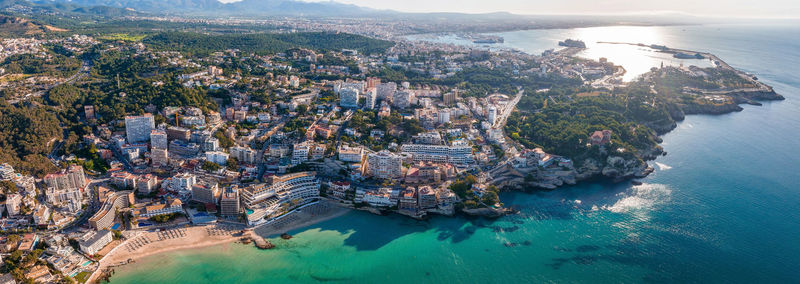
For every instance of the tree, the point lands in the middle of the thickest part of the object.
(490, 198)
(233, 164)
(210, 166)
(8, 187)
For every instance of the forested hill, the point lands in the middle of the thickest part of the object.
(201, 44)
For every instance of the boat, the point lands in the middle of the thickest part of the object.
(636, 182)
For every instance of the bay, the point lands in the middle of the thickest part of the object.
(721, 207)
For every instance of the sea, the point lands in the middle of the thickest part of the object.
(722, 207)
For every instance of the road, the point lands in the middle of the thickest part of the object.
(500, 122)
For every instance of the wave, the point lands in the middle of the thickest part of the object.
(662, 166)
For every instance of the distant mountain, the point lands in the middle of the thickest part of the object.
(243, 8)
(38, 8)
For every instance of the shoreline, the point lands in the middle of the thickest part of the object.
(204, 236)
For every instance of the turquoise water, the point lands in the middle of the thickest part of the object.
(721, 207)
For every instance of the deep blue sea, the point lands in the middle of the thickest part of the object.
(722, 207)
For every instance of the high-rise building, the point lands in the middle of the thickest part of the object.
(450, 98)
(138, 128)
(158, 139)
(404, 99)
(147, 184)
(348, 97)
(492, 115)
(229, 202)
(371, 97)
(205, 192)
(159, 157)
(385, 165)
(244, 154)
(179, 133)
(386, 91)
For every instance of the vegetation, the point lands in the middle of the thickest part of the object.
(210, 166)
(201, 44)
(164, 218)
(26, 132)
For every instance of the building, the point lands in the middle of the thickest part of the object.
(408, 200)
(138, 128)
(158, 139)
(181, 182)
(385, 165)
(404, 99)
(184, 149)
(385, 91)
(317, 152)
(70, 198)
(179, 133)
(244, 154)
(93, 241)
(159, 157)
(601, 137)
(492, 115)
(279, 195)
(124, 180)
(220, 158)
(429, 173)
(13, 203)
(429, 138)
(104, 217)
(371, 97)
(300, 153)
(450, 98)
(211, 144)
(339, 189)
(379, 198)
(147, 184)
(41, 216)
(426, 197)
(205, 192)
(351, 154)
(348, 97)
(172, 205)
(229, 202)
(458, 155)
(70, 179)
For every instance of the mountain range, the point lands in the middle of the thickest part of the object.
(241, 8)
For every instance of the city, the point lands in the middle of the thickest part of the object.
(118, 146)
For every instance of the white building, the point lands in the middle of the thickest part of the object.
(220, 158)
(279, 194)
(404, 99)
(385, 165)
(351, 154)
(458, 155)
(371, 96)
(385, 91)
(94, 241)
(158, 139)
(300, 153)
(348, 97)
(492, 116)
(244, 154)
(138, 128)
(181, 182)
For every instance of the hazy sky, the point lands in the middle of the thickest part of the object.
(722, 8)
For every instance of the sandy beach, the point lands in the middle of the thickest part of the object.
(193, 237)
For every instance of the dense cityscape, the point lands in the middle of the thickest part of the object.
(119, 145)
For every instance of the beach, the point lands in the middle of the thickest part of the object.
(148, 243)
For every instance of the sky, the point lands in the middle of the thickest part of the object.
(718, 8)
